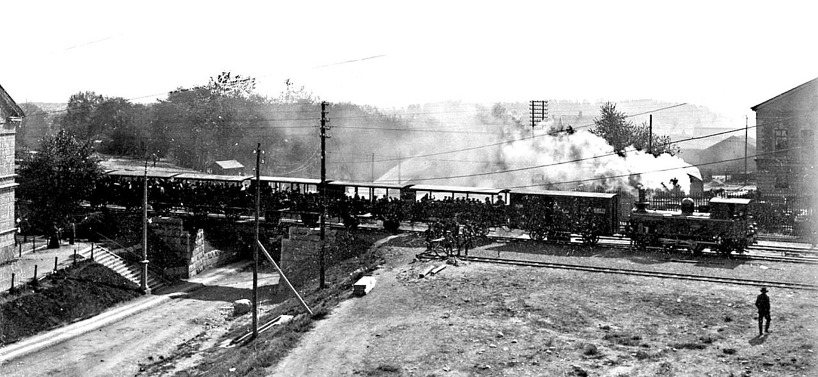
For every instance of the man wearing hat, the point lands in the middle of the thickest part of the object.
(763, 305)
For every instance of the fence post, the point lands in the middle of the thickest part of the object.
(35, 273)
(92, 251)
(55, 264)
(12, 282)
(21, 249)
(75, 256)
(33, 244)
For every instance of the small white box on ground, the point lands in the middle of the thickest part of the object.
(363, 286)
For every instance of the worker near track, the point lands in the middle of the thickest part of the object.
(763, 305)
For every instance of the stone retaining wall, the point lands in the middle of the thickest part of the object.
(300, 252)
(193, 251)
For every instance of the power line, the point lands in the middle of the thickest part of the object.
(661, 170)
(562, 162)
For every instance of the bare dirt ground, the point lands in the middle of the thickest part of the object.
(198, 318)
(479, 319)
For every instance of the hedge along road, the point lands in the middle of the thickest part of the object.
(119, 348)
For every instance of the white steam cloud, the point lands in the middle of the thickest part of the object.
(550, 158)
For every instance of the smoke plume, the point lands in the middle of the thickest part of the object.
(547, 157)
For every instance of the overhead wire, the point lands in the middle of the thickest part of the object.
(661, 170)
(563, 162)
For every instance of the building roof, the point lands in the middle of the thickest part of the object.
(229, 164)
(793, 90)
(9, 108)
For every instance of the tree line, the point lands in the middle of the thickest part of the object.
(225, 119)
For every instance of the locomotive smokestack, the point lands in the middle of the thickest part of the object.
(642, 203)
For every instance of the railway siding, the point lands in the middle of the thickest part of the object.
(682, 263)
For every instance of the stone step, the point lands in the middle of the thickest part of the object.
(130, 271)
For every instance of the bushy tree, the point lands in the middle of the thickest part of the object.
(57, 179)
(210, 122)
(614, 126)
(78, 114)
(121, 126)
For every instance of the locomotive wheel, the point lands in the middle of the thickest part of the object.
(724, 246)
(590, 239)
(697, 248)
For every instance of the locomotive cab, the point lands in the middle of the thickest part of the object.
(729, 208)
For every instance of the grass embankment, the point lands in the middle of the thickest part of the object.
(66, 296)
(274, 344)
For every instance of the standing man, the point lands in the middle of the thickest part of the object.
(763, 305)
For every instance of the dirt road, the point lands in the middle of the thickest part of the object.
(338, 344)
(120, 348)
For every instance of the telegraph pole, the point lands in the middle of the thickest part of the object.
(746, 120)
(650, 134)
(321, 267)
(539, 112)
(145, 289)
(255, 245)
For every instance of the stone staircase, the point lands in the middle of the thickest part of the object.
(128, 270)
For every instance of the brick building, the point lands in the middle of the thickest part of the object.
(11, 116)
(786, 139)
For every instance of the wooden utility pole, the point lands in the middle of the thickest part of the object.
(539, 113)
(322, 231)
(255, 245)
(746, 120)
(145, 289)
(650, 134)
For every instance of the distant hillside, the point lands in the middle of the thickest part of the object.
(731, 148)
(51, 108)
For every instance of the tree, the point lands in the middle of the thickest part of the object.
(614, 126)
(209, 122)
(121, 126)
(292, 95)
(56, 180)
(77, 119)
(659, 144)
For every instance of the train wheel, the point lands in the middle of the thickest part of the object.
(639, 243)
(724, 246)
(590, 239)
(696, 248)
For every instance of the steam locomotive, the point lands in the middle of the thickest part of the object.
(727, 227)
(724, 225)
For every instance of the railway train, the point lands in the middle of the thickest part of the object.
(725, 225)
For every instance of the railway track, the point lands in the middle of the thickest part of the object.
(664, 275)
(783, 249)
(791, 254)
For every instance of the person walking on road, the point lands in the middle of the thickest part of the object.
(763, 305)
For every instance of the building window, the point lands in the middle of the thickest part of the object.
(808, 145)
(782, 180)
(781, 142)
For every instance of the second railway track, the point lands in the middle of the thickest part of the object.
(664, 275)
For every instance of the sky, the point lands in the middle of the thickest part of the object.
(725, 55)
